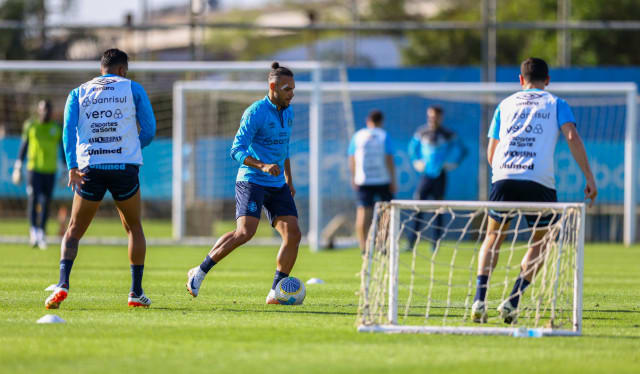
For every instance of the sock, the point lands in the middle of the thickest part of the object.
(518, 288)
(481, 287)
(277, 278)
(207, 264)
(33, 234)
(65, 270)
(136, 279)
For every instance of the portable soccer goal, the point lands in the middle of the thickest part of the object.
(427, 285)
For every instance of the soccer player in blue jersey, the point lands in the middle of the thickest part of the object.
(372, 170)
(104, 152)
(522, 141)
(261, 147)
(41, 142)
(433, 151)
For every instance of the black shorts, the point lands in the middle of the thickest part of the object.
(120, 179)
(277, 201)
(367, 194)
(430, 188)
(526, 191)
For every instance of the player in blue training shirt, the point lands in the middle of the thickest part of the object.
(261, 146)
(103, 152)
(433, 151)
(522, 141)
(372, 170)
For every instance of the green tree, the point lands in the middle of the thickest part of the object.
(463, 47)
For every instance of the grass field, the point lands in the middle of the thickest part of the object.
(228, 329)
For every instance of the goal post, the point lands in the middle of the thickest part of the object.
(428, 286)
(325, 113)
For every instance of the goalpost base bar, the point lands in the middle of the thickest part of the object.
(505, 331)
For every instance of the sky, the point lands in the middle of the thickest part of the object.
(113, 11)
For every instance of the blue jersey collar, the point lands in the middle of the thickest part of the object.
(532, 89)
(266, 98)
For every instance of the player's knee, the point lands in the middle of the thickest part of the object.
(293, 234)
(244, 234)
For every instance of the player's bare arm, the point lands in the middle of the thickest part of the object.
(392, 172)
(491, 149)
(580, 155)
(352, 168)
(288, 177)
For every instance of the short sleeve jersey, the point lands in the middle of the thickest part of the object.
(527, 125)
(369, 147)
(44, 143)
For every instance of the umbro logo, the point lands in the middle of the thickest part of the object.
(529, 96)
(104, 81)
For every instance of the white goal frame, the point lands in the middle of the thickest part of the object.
(394, 234)
(317, 88)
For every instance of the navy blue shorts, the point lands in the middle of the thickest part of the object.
(120, 179)
(526, 191)
(367, 194)
(277, 201)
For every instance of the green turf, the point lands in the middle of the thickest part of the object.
(228, 329)
(111, 227)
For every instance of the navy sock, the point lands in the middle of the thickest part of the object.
(136, 279)
(207, 264)
(518, 288)
(65, 270)
(481, 287)
(277, 278)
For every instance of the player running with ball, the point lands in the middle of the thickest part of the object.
(261, 146)
(103, 152)
(522, 141)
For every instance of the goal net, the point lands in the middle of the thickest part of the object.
(428, 285)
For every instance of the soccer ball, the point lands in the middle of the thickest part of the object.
(290, 291)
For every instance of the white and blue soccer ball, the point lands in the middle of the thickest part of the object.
(290, 291)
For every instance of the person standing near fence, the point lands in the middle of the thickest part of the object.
(433, 151)
(41, 143)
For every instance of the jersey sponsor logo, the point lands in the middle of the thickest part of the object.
(275, 141)
(517, 166)
(529, 96)
(519, 154)
(103, 100)
(105, 139)
(101, 151)
(536, 115)
(117, 114)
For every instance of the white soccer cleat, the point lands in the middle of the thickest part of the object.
(42, 244)
(508, 312)
(195, 277)
(57, 296)
(479, 312)
(138, 301)
(271, 298)
(33, 237)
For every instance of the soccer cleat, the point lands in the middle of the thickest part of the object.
(508, 312)
(195, 277)
(42, 244)
(139, 301)
(57, 296)
(271, 298)
(479, 312)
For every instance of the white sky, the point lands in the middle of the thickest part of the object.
(113, 11)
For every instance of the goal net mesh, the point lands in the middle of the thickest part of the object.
(436, 274)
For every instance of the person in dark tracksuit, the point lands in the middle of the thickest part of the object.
(433, 151)
(41, 143)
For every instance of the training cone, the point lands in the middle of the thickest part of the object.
(51, 318)
(315, 281)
